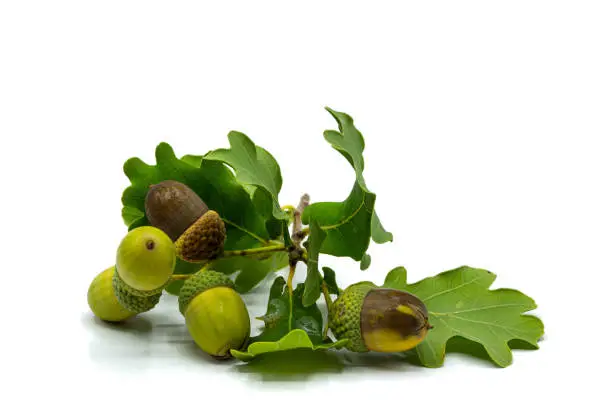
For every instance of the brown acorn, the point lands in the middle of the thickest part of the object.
(379, 319)
(198, 232)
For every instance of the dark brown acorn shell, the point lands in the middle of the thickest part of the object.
(379, 311)
(173, 207)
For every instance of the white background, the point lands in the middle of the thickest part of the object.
(487, 129)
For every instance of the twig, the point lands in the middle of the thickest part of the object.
(298, 233)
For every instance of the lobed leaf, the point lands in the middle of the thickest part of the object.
(284, 314)
(253, 166)
(295, 339)
(350, 224)
(460, 303)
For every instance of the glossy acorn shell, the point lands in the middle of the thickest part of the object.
(215, 314)
(102, 300)
(173, 207)
(392, 320)
(146, 258)
(379, 319)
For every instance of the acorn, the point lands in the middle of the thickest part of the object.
(145, 261)
(215, 314)
(379, 319)
(198, 232)
(102, 300)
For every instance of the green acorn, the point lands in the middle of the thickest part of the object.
(215, 314)
(199, 233)
(379, 319)
(145, 260)
(102, 299)
(144, 264)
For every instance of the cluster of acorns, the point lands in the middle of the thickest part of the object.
(181, 226)
(371, 318)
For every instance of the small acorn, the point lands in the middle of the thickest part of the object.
(145, 260)
(102, 300)
(144, 264)
(198, 232)
(379, 319)
(215, 314)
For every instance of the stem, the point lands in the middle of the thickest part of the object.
(290, 287)
(254, 251)
(329, 303)
(180, 277)
(297, 234)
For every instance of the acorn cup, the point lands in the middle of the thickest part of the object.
(215, 314)
(198, 232)
(144, 265)
(379, 319)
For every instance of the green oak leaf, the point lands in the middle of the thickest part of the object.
(284, 315)
(461, 304)
(346, 223)
(329, 277)
(212, 181)
(252, 270)
(312, 285)
(349, 142)
(295, 339)
(254, 166)
(352, 223)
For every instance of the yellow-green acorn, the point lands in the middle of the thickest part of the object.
(379, 319)
(144, 264)
(199, 232)
(145, 260)
(215, 314)
(102, 300)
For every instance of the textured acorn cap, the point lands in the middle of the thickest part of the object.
(200, 282)
(133, 303)
(345, 321)
(102, 300)
(203, 240)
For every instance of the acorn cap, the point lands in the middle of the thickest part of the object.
(200, 282)
(173, 207)
(203, 240)
(126, 297)
(345, 320)
(379, 319)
